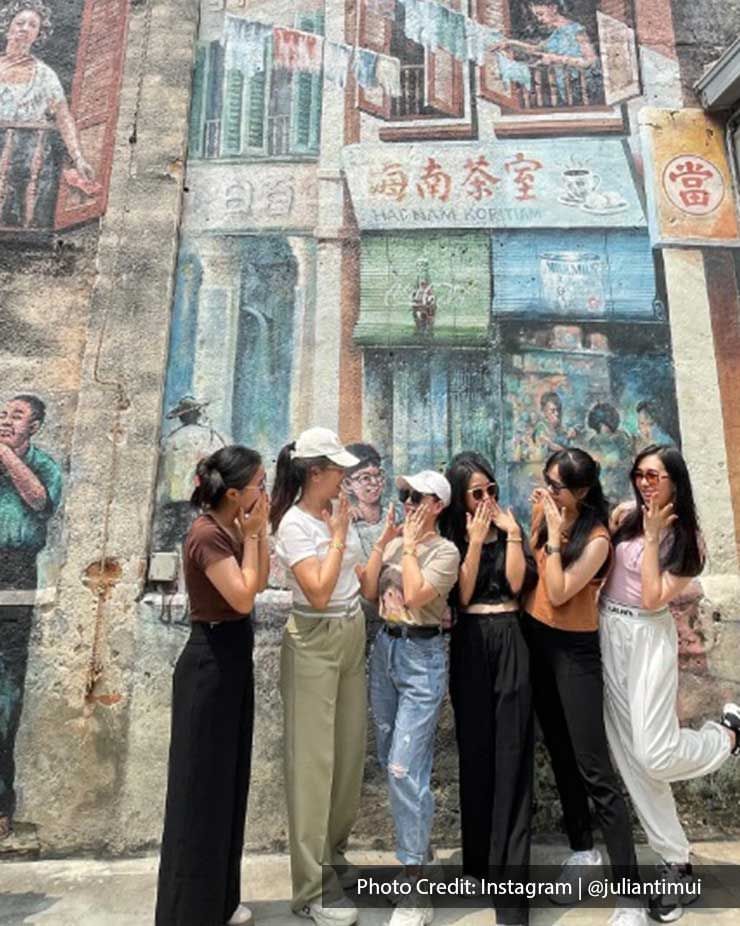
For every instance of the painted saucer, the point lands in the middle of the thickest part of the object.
(566, 200)
(606, 210)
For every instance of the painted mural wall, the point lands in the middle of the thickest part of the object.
(508, 296)
(60, 71)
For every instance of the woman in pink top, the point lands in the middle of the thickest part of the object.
(658, 549)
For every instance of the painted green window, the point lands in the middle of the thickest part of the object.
(421, 289)
(271, 113)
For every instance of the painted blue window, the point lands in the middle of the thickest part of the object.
(576, 273)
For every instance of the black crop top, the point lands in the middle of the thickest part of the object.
(491, 585)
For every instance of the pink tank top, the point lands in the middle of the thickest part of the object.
(624, 583)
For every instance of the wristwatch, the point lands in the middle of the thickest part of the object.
(549, 549)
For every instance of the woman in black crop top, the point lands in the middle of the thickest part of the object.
(489, 678)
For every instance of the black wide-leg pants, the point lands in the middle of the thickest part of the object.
(208, 779)
(568, 693)
(492, 700)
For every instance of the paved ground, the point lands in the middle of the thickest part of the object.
(84, 892)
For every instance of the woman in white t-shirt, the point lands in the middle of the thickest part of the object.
(322, 667)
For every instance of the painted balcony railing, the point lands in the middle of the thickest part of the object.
(556, 86)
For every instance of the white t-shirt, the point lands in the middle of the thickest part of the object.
(301, 536)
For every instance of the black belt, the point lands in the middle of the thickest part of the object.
(406, 630)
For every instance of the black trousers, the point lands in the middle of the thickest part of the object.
(492, 701)
(569, 702)
(208, 781)
(17, 573)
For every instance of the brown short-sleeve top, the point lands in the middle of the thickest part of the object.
(207, 543)
(579, 613)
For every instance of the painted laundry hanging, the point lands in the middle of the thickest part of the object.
(365, 67)
(514, 72)
(244, 42)
(337, 61)
(297, 51)
(389, 75)
(450, 30)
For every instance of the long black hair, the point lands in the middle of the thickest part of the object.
(685, 555)
(578, 470)
(453, 521)
(291, 475)
(230, 467)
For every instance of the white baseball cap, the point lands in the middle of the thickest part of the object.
(428, 482)
(321, 442)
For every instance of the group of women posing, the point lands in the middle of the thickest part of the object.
(571, 625)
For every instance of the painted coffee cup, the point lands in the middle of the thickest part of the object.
(580, 181)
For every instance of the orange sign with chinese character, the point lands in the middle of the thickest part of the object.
(688, 179)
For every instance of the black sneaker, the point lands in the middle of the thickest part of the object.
(668, 907)
(731, 720)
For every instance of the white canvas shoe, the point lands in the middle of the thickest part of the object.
(340, 912)
(241, 916)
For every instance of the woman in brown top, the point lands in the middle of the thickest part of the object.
(570, 537)
(226, 564)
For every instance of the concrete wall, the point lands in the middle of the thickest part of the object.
(229, 251)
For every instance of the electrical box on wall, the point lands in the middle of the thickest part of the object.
(163, 567)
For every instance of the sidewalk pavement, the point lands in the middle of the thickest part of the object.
(87, 892)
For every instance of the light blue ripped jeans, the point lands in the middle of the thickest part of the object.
(408, 678)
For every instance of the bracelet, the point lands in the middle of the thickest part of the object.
(549, 549)
(254, 536)
(514, 540)
(377, 549)
(409, 552)
(337, 545)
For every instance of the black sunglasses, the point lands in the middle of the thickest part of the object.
(491, 490)
(411, 495)
(555, 487)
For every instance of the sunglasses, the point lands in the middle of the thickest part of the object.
(411, 495)
(651, 476)
(479, 492)
(553, 485)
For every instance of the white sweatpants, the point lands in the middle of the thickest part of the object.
(639, 652)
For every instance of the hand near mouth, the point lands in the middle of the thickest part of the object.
(656, 519)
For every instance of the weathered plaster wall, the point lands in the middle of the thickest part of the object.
(267, 247)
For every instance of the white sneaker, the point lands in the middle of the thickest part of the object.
(340, 912)
(240, 917)
(420, 914)
(628, 916)
(578, 865)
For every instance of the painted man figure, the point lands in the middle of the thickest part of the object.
(30, 492)
(190, 440)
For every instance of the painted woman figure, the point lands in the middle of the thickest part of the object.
(568, 49)
(657, 551)
(32, 109)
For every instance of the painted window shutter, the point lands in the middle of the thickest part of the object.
(374, 32)
(491, 86)
(307, 93)
(197, 104)
(618, 50)
(255, 98)
(94, 105)
(444, 78)
(458, 269)
(213, 100)
(231, 117)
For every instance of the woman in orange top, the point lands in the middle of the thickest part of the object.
(570, 537)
